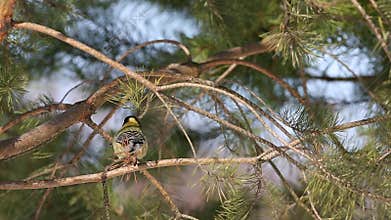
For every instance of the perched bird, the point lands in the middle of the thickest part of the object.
(129, 144)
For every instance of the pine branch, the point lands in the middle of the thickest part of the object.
(356, 124)
(83, 47)
(79, 112)
(79, 155)
(97, 177)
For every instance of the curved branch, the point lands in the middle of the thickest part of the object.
(174, 42)
(97, 177)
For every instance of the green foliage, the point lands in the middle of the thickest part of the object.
(306, 124)
(132, 201)
(236, 206)
(233, 187)
(320, 117)
(341, 207)
(385, 8)
(294, 46)
(13, 80)
(336, 200)
(295, 39)
(220, 179)
(132, 95)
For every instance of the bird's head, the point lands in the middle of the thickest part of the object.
(131, 121)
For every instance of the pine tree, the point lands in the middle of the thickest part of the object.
(235, 118)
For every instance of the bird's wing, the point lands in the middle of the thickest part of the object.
(131, 139)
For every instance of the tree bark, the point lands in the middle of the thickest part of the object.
(6, 9)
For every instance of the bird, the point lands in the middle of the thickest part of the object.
(130, 144)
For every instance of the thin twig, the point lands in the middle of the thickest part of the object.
(226, 73)
(357, 123)
(162, 191)
(247, 133)
(98, 129)
(385, 155)
(207, 65)
(140, 46)
(292, 192)
(73, 88)
(83, 47)
(359, 78)
(230, 94)
(87, 142)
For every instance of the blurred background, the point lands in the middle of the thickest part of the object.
(322, 48)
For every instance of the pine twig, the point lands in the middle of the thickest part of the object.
(373, 27)
(385, 155)
(72, 89)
